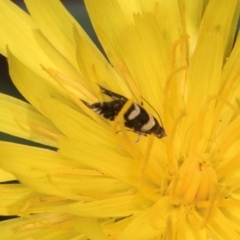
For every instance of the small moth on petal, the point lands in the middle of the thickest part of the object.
(136, 118)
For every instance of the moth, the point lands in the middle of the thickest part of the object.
(136, 118)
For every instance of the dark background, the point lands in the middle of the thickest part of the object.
(77, 9)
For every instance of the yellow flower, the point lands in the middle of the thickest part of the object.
(93, 183)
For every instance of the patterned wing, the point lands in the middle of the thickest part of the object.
(136, 117)
(112, 95)
(108, 110)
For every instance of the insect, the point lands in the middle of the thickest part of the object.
(136, 118)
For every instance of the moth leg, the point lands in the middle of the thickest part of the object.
(111, 94)
(132, 142)
(138, 138)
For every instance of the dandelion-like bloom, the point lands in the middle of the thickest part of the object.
(179, 56)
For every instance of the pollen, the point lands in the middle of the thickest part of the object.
(195, 181)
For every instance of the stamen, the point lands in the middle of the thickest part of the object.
(39, 200)
(197, 132)
(56, 76)
(169, 229)
(232, 137)
(58, 221)
(61, 79)
(20, 119)
(173, 59)
(212, 206)
(146, 156)
(228, 166)
(119, 121)
(225, 91)
(167, 108)
(173, 188)
(217, 111)
(170, 79)
(176, 89)
(170, 146)
(70, 171)
(196, 181)
(147, 172)
(127, 76)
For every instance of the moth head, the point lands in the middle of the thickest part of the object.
(159, 132)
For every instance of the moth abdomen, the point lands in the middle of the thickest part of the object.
(136, 117)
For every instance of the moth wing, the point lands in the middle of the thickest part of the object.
(108, 110)
(113, 95)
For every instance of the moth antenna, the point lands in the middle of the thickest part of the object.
(113, 95)
(101, 87)
(86, 103)
(153, 109)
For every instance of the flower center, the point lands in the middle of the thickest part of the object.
(195, 181)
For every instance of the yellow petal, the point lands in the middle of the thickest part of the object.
(76, 125)
(151, 72)
(14, 197)
(8, 227)
(56, 25)
(20, 119)
(192, 12)
(109, 162)
(6, 176)
(150, 223)
(108, 21)
(34, 227)
(188, 231)
(168, 16)
(33, 87)
(41, 174)
(116, 207)
(217, 231)
(20, 34)
(95, 67)
(203, 77)
(90, 227)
